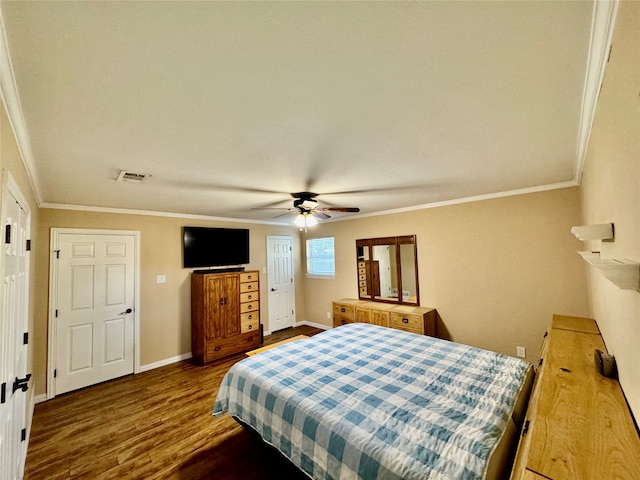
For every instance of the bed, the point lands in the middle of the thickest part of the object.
(362, 401)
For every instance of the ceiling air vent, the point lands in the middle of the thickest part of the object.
(126, 176)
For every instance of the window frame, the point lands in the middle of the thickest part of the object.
(308, 259)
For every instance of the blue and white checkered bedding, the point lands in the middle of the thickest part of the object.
(368, 402)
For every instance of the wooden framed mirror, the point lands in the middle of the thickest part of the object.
(388, 270)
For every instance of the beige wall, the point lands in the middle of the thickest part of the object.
(496, 270)
(611, 193)
(165, 311)
(11, 161)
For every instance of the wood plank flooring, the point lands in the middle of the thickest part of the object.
(157, 424)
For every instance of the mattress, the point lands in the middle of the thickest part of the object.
(369, 402)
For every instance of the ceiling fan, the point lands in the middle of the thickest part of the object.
(308, 210)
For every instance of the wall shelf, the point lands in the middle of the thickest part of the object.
(603, 231)
(623, 273)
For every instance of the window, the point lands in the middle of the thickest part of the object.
(321, 260)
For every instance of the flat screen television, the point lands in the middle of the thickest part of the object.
(214, 247)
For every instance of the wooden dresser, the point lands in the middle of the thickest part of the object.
(578, 425)
(225, 314)
(420, 320)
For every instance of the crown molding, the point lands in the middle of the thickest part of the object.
(11, 100)
(603, 23)
(153, 213)
(458, 201)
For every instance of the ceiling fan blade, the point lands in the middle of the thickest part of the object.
(320, 215)
(283, 214)
(339, 209)
(274, 208)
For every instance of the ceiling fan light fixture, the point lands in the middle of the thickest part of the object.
(301, 221)
(304, 220)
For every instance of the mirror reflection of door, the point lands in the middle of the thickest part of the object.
(384, 262)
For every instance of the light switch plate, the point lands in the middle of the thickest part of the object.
(161, 279)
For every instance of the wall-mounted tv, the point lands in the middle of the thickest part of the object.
(214, 247)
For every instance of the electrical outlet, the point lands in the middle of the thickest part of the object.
(521, 352)
(329, 315)
(161, 279)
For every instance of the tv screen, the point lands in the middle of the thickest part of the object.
(214, 247)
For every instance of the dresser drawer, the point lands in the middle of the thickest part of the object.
(408, 322)
(250, 317)
(346, 311)
(249, 307)
(250, 324)
(343, 314)
(248, 287)
(222, 347)
(248, 277)
(249, 297)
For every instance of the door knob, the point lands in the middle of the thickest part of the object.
(127, 311)
(274, 289)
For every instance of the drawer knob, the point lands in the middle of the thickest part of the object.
(217, 349)
(250, 317)
(250, 327)
(248, 287)
(343, 309)
(250, 306)
(405, 320)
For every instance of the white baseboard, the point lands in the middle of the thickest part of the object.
(165, 362)
(143, 368)
(321, 326)
(302, 323)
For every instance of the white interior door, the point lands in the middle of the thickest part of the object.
(14, 380)
(280, 284)
(94, 313)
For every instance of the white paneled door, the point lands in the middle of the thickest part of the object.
(280, 284)
(14, 380)
(94, 311)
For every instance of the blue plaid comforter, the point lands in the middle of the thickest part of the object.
(368, 402)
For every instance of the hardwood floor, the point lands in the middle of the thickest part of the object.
(157, 424)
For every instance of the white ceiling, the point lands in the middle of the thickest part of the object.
(231, 106)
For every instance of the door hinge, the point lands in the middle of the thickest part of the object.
(525, 428)
(3, 393)
(23, 434)
(29, 245)
(57, 252)
(21, 383)
(7, 233)
(55, 372)
(25, 338)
